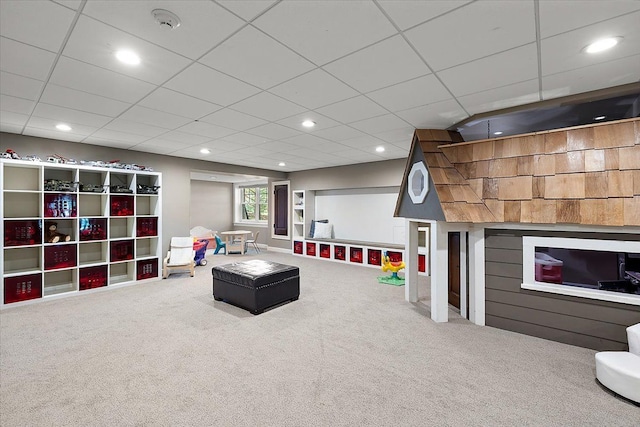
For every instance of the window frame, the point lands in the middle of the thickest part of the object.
(529, 243)
(239, 203)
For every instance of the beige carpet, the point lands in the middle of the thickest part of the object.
(349, 352)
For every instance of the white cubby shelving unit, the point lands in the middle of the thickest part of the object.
(114, 233)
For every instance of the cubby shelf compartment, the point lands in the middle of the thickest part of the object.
(103, 210)
(67, 227)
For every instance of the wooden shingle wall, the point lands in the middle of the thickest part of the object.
(586, 175)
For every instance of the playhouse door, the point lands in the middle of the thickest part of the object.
(454, 269)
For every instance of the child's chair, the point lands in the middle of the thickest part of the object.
(220, 245)
(180, 256)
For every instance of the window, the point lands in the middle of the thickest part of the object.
(599, 269)
(254, 204)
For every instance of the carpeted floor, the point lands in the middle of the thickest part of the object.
(349, 352)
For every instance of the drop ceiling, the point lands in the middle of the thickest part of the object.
(240, 77)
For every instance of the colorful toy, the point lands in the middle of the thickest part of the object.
(393, 267)
(200, 246)
(52, 234)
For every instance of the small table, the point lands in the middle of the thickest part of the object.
(234, 245)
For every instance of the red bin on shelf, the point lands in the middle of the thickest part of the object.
(60, 205)
(374, 257)
(121, 205)
(146, 226)
(311, 249)
(60, 256)
(355, 255)
(147, 268)
(93, 277)
(121, 250)
(20, 233)
(22, 288)
(340, 253)
(297, 247)
(325, 250)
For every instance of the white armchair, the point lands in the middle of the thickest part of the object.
(619, 371)
(180, 256)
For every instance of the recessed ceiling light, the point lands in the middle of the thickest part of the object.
(205, 151)
(281, 164)
(380, 149)
(498, 133)
(128, 57)
(63, 127)
(308, 123)
(602, 44)
(599, 117)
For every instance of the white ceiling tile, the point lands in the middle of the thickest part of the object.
(560, 16)
(150, 147)
(321, 122)
(21, 87)
(92, 140)
(11, 118)
(39, 23)
(244, 138)
(407, 13)
(339, 133)
(73, 4)
(393, 152)
(363, 142)
(503, 97)
(312, 142)
(440, 115)
(50, 125)
(52, 134)
(412, 93)
(361, 155)
(210, 85)
(154, 117)
(185, 138)
(263, 63)
(122, 125)
(112, 135)
(206, 129)
(204, 23)
(381, 124)
(247, 9)
(24, 60)
(352, 110)
(177, 103)
(503, 69)
(476, 30)
(277, 147)
(594, 77)
(273, 131)
(565, 51)
(233, 119)
(10, 127)
(77, 100)
(67, 115)
(16, 105)
(322, 34)
(386, 63)
(267, 106)
(98, 81)
(165, 144)
(222, 146)
(404, 144)
(96, 43)
(303, 90)
(250, 152)
(400, 137)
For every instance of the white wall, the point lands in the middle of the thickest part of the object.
(364, 214)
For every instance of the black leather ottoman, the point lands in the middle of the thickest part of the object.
(256, 285)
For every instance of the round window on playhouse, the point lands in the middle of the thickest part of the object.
(418, 184)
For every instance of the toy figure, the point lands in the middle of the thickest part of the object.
(52, 234)
(394, 267)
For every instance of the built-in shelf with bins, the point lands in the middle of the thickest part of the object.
(70, 228)
(303, 210)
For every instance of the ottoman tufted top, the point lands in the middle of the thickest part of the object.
(254, 273)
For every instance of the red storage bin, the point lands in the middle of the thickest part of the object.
(422, 266)
(146, 226)
(325, 250)
(297, 247)
(311, 249)
(394, 256)
(60, 256)
(93, 277)
(121, 250)
(340, 253)
(22, 288)
(355, 255)
(121, 205)
(374, 257)
(20, 233)
(147, 268)
(60, 205)
(93, 229)
(548, 269)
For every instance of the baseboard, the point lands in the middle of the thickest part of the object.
(282, 250)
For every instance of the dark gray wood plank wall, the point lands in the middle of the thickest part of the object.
(599, 325)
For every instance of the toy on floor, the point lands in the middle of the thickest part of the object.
(393, 267)
(200, 246)
(52, 235)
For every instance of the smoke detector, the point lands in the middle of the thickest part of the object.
(166, 19)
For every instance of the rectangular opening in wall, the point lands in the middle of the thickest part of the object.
(21, 178)
(58, 282)
(597, 269)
